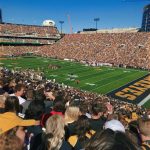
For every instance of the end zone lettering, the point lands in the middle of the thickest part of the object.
(133, 92)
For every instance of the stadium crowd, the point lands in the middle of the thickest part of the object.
(25, 41)
(125, 49)
(118, 49)
(27, 30)
(40, 114)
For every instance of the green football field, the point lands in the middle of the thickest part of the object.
(95, 79)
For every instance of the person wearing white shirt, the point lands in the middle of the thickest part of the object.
(19, 91)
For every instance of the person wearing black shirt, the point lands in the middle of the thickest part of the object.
(97, 119)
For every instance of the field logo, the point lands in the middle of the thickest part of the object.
(133, 92)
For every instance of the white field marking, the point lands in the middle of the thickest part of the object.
(73, 76)
(101, 80)
(144, 100)
(92, 77)
(110, 83)
(70, 79)
(80, 76)
(110, 69)
(67, 75)
(67, 79)
(126, 71)
(53, 75)
(91, 84)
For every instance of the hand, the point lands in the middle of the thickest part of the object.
(20, 133)
(37, 123)
(49, 95)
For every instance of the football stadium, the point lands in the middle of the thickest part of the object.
(74, 91)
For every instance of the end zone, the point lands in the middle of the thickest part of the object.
(134, 92)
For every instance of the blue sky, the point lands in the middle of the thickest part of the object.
(112, 13)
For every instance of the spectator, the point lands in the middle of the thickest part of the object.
(82, 133)
(19, 91)
(110, 140)
(54, 134)
(144, 127)
(9, 119)
(97, 121)
(71, 116)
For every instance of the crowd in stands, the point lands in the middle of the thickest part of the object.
(28, 34)
(118, 49)
(27, 30)
(17, 50)
(26, 40)
(40, 114)
(125, 49)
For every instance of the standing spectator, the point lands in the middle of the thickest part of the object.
(9, 119)
(82, 133)
(97, 121)
(54, 134)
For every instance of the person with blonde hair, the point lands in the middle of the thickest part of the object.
(71, 116)
(53, 138)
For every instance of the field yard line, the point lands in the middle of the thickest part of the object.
(89, 74)
(107, 71)
(66, 68)
(125, 84)
(144, 100)
(76, 73)
(59, 72)
(104, 79)
(111, 82)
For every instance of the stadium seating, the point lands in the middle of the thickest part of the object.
(125, 49)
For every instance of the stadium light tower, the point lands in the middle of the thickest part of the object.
(61, 23)
(96, 20)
